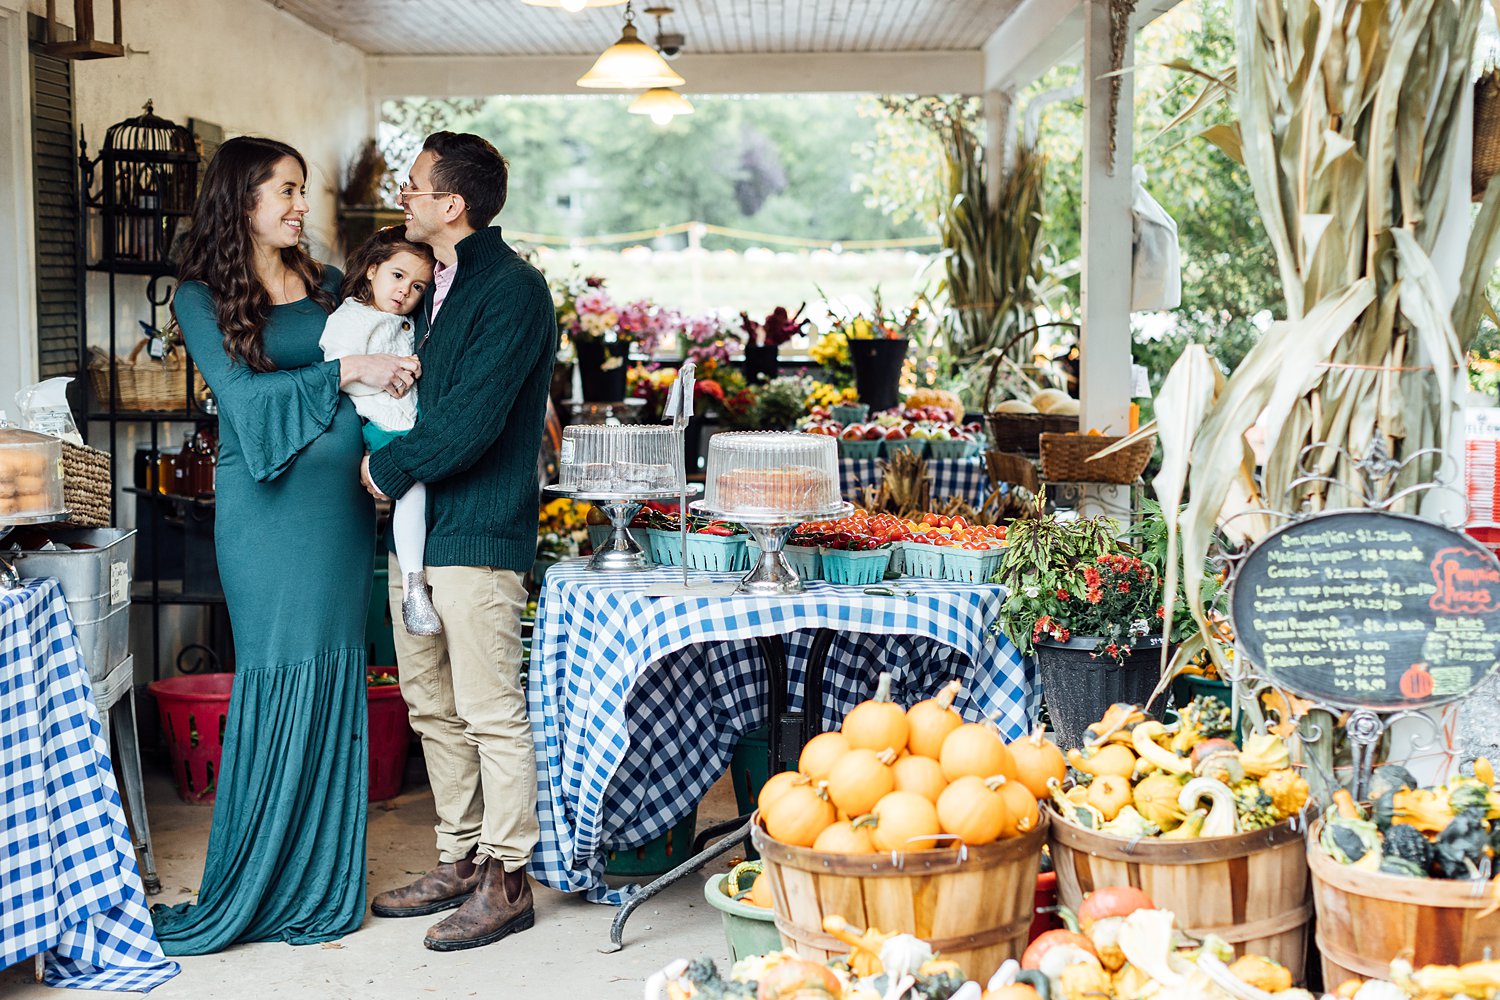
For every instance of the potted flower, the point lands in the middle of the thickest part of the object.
(588, 319)
(877, 347)
(763, 341)
(1089, 610)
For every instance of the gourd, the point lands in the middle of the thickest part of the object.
(1056, 949)
(1144, 737)
(848, 836)
(877, 724)
(1112, 758)
(1156, 797)
(1423, 809)
(1109, 793)
(1192, 826)
(1130, 824)
(905, 821)
(1264, 753)
(821, 753)
(922, 775)
(975, 748)
(760, 892)
(1119, 719)
(931, 721)
(972, 809)
(1220, 819)
(1261, 973)
(775, 786)
(1288, 791)
(859, 779)
(1021, 806)
(797, 979)
(799, 814)
(1101, 914)
(1037, 761)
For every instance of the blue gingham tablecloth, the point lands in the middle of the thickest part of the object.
(965, 478)
(68, 880)
(637, 703)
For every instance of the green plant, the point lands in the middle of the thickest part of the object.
(782, 401)
(1151, 538)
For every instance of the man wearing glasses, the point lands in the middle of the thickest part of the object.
(491, 334)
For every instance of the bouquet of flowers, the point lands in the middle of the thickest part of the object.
(585, 310)
(778, 328)
(653, 384)
(708, 341)
(562, 527)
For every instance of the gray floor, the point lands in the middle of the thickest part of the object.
(559, 958)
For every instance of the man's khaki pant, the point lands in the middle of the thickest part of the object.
(463, 693)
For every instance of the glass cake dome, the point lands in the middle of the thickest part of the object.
(31, 480)
(760, 474)
(625, 459)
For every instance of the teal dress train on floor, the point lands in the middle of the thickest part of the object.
(294, 533)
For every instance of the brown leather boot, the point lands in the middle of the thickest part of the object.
(443, 888)
(501, 905)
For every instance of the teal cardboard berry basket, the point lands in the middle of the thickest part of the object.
(717, 553)
(917, 446)
(855, 569)
(926, 561)
(971, 565)
(860, 449)
(806, 560)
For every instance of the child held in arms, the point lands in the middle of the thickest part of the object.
(383, 287)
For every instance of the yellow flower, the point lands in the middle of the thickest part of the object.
(831, 349)
(860, 328)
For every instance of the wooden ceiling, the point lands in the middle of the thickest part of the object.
(711, 27)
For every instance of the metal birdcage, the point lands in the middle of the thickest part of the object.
(149, 184)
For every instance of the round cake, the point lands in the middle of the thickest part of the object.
(769, 473)
(625, 459)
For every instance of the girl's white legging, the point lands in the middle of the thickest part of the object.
(409, 526)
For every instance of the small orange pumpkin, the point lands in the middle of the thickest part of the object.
(975, 748)
(848, 836)
(760, 892)
(1021, 806)
(932, 720)
(859, 779)
(1037, 761)
(821, 753)
(922, 775)
(905, 821)
(775, 786)
(877, 724)
(798, 979)
(799, 814)
(1109, 793)
(973, 810)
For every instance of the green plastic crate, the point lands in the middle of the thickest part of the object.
(750, 769)
(657, 857)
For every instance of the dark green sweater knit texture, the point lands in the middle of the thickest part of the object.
(482, 404)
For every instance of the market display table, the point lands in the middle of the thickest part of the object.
(965, 478)
(637, 702)
(69, 886)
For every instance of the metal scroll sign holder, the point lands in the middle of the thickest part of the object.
(1361, 617)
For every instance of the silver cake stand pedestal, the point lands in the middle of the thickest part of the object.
(772, 575)
(620, 552)
(9, 578)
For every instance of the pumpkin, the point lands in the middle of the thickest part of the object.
(877, 724)
(776, 785)
(1111, 758)
(1113, 901)
(1021, 806)
(821, 753)
(1012, 991)
(1155, 798)
(1037, 761)
(973, 810)
(974, 748)
(1416, 682)
(799, 814)
(905, 821)
(800, 979)
(932, 720)
(848, 836)
(1069, 946)
(922, 775)
(1109, 793)
(760, 892)
(859, 779)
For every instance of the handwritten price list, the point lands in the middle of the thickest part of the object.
(1369, 609)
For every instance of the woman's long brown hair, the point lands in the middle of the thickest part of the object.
(218, 249)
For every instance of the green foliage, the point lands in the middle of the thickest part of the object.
(1045, 555)
(1149, 537)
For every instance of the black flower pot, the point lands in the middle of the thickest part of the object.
(762, 362)
(877, 370)
(1079, 688)
(692, 443)
(601, 369)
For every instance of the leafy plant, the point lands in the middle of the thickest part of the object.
(1152, 539)
(782, 401)
(1045, 562)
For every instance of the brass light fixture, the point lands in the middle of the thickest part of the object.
(572, 6)
(630, 64)
(662, 104)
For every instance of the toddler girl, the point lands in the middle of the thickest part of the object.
(383, 287)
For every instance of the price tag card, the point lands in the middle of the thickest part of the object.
(1365, 609)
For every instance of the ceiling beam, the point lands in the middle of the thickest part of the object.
(1041, 34)
(741, 73)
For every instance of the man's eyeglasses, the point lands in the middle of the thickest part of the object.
(407, 191)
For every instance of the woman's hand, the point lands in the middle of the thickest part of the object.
(393, 373)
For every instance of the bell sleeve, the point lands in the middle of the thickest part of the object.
(274, 414)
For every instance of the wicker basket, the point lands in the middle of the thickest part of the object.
(1005, 467)
(1022, 432)
(1486, 132)
(145, 385)
(88, 485)
(1068, 458)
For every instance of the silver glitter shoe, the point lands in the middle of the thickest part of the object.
(417, 612)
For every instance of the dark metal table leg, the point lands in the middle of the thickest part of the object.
(812, 683)
(617, 929)
(718, 830)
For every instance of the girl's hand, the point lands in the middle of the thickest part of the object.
(392, 373)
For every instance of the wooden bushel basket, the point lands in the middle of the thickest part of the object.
(973, 907)
(1251, 889)
(1365, 919)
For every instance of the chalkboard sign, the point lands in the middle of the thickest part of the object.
(1364, 609)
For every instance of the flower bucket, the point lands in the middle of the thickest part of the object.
(390, 738)
(749, 930)
(1078, 688)
(855, 569)
(601, 384)
(877, 370)
(919, 559)
(762, 362)
(716, 553)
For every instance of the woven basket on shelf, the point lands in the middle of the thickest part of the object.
(145, 385)
(1066, 458)
(1486, 132)
(88, 485)
(1006, 467)
(1022, 432)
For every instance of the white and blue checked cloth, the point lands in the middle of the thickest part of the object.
(637, 702)
(68, 880)
(965, 478)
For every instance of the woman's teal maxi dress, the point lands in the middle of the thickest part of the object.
(294, 532)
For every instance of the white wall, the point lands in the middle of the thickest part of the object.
(17, 285)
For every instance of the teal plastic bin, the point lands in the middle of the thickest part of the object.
(749, 930)
(657, 857)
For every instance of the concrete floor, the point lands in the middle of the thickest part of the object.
(558, 958)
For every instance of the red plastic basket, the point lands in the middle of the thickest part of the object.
(193, 710)
(390, 738)
(1046, 900)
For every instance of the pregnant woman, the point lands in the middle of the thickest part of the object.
(294, 534)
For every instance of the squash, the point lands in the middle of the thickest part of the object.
(821, 753)
(975, 748)
(1119, 719)
(1058, 948)
(1264, 753)
(905, 821)
(1220, 821)
(1109, 793)
(1191, 827)
(760, 892)
(922, 775)
(1021, 807)
(848, 836)
(973, 810)
(1156, 799)
(1011, 991)
(1288, 791)
(1143, 739)
(775, 786)
(798, 979)
(877, 724)
(864, 946)
(1422, 808)
(931, 721)
(1261, 973)
(859, 779)
(799, 814)
(1014, 406)
(1484, 771)
(1037, 761)
(1112, 758)
(1046, 399)
(1111, 901)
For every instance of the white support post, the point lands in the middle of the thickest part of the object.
(999, 106)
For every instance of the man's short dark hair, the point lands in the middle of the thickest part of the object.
(471, 168)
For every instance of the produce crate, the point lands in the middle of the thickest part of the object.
(860, 449)
(656, 857)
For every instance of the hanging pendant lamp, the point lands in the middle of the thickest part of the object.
(630, 64)
(572, 6)
(662, 104)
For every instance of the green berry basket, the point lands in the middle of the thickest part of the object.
(917, 446)
(971, 565)
(922, 560)
(855, 569)
(859, 449)
(850, 413)
(665, 546)
(806, 560)
(951, 448)
(717, 553)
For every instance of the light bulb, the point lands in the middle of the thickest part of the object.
(662, 116)
(574, 6)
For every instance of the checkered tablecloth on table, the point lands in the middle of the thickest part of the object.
(68, 880)
(965, 478)
(636, 702)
